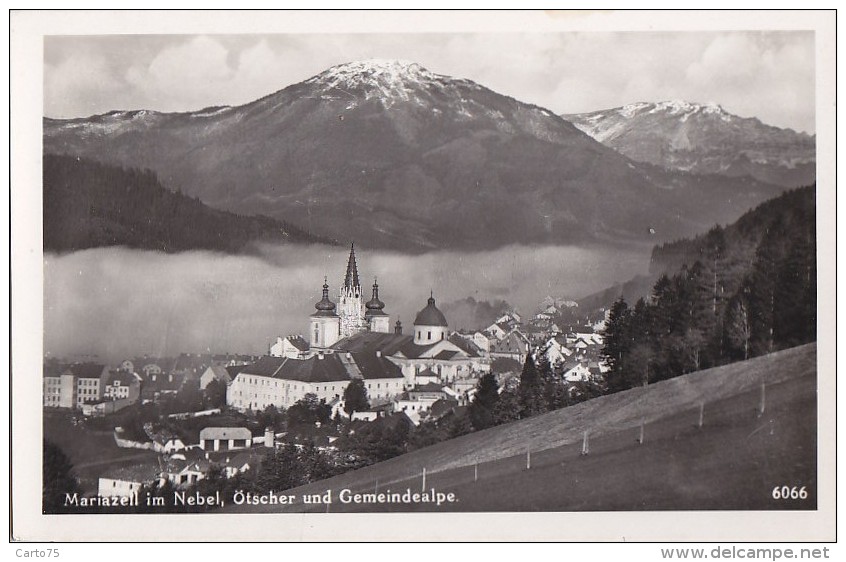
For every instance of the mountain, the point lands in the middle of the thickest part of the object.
(88, 204)
(395, 156)
(704, 139)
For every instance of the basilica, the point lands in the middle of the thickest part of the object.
(354, 339)
(428, 354)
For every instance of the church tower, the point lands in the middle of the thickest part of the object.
(350, 302)
(325, 324)
(376, 318)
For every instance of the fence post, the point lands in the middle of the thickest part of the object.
(528, 459)
(476, 471)
(376, 489)
(423, 489)
(640, 438)
(585, 443)
(701, 414)
(762, 406)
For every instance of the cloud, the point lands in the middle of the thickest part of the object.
(183, 74)
(80, 85)
(782, 71)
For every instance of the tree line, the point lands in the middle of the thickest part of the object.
(741, 291)
(88, 204)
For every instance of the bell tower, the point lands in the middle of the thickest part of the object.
(375, 315)
(325, 324)
(350, 302)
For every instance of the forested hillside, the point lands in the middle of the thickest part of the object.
(733, 293)
(88, 205)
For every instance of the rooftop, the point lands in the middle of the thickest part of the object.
(430, 315)
(225, 433)
(328, 368)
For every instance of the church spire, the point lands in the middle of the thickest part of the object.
(351, 279)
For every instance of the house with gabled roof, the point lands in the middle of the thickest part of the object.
(184, 472)
(215, 373)
(225, 438)
(555, 350)
(582, 371)
(498, 330)
(483, 340)
(513, 346)
(122, 384)
(163, 441)
(427, 391)
(237, 463)
(127, 481)
(293, 347)
(512, 318)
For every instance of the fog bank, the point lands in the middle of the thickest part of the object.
(116, 302)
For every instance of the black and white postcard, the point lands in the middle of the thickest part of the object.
(481, 276)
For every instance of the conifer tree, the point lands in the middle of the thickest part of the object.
(57, 478)
(530, 390)
(763, 280)
(355, 397)
(616, 342)
(794, 295)
(481, 410)
(507, 408)
(738, 323)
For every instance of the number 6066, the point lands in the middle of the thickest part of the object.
(790, 493)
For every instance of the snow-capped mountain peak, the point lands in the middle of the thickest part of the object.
(379, 78)
(673, 107)
(703, 138)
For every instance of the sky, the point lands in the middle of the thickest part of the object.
(769, 75)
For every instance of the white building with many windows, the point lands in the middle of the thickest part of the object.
(74, 385)
(282, 381)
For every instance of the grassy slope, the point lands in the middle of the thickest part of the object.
(90, 452)
(733, 462)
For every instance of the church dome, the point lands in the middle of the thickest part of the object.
(430, 316)
(374, 306)
(325, 307)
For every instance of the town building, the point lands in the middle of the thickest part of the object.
(282, 381)
(74, 385)
(295, 347)
(225, 438)
(122, 385)
(127, 481)
(215, 373)
(58, 389)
